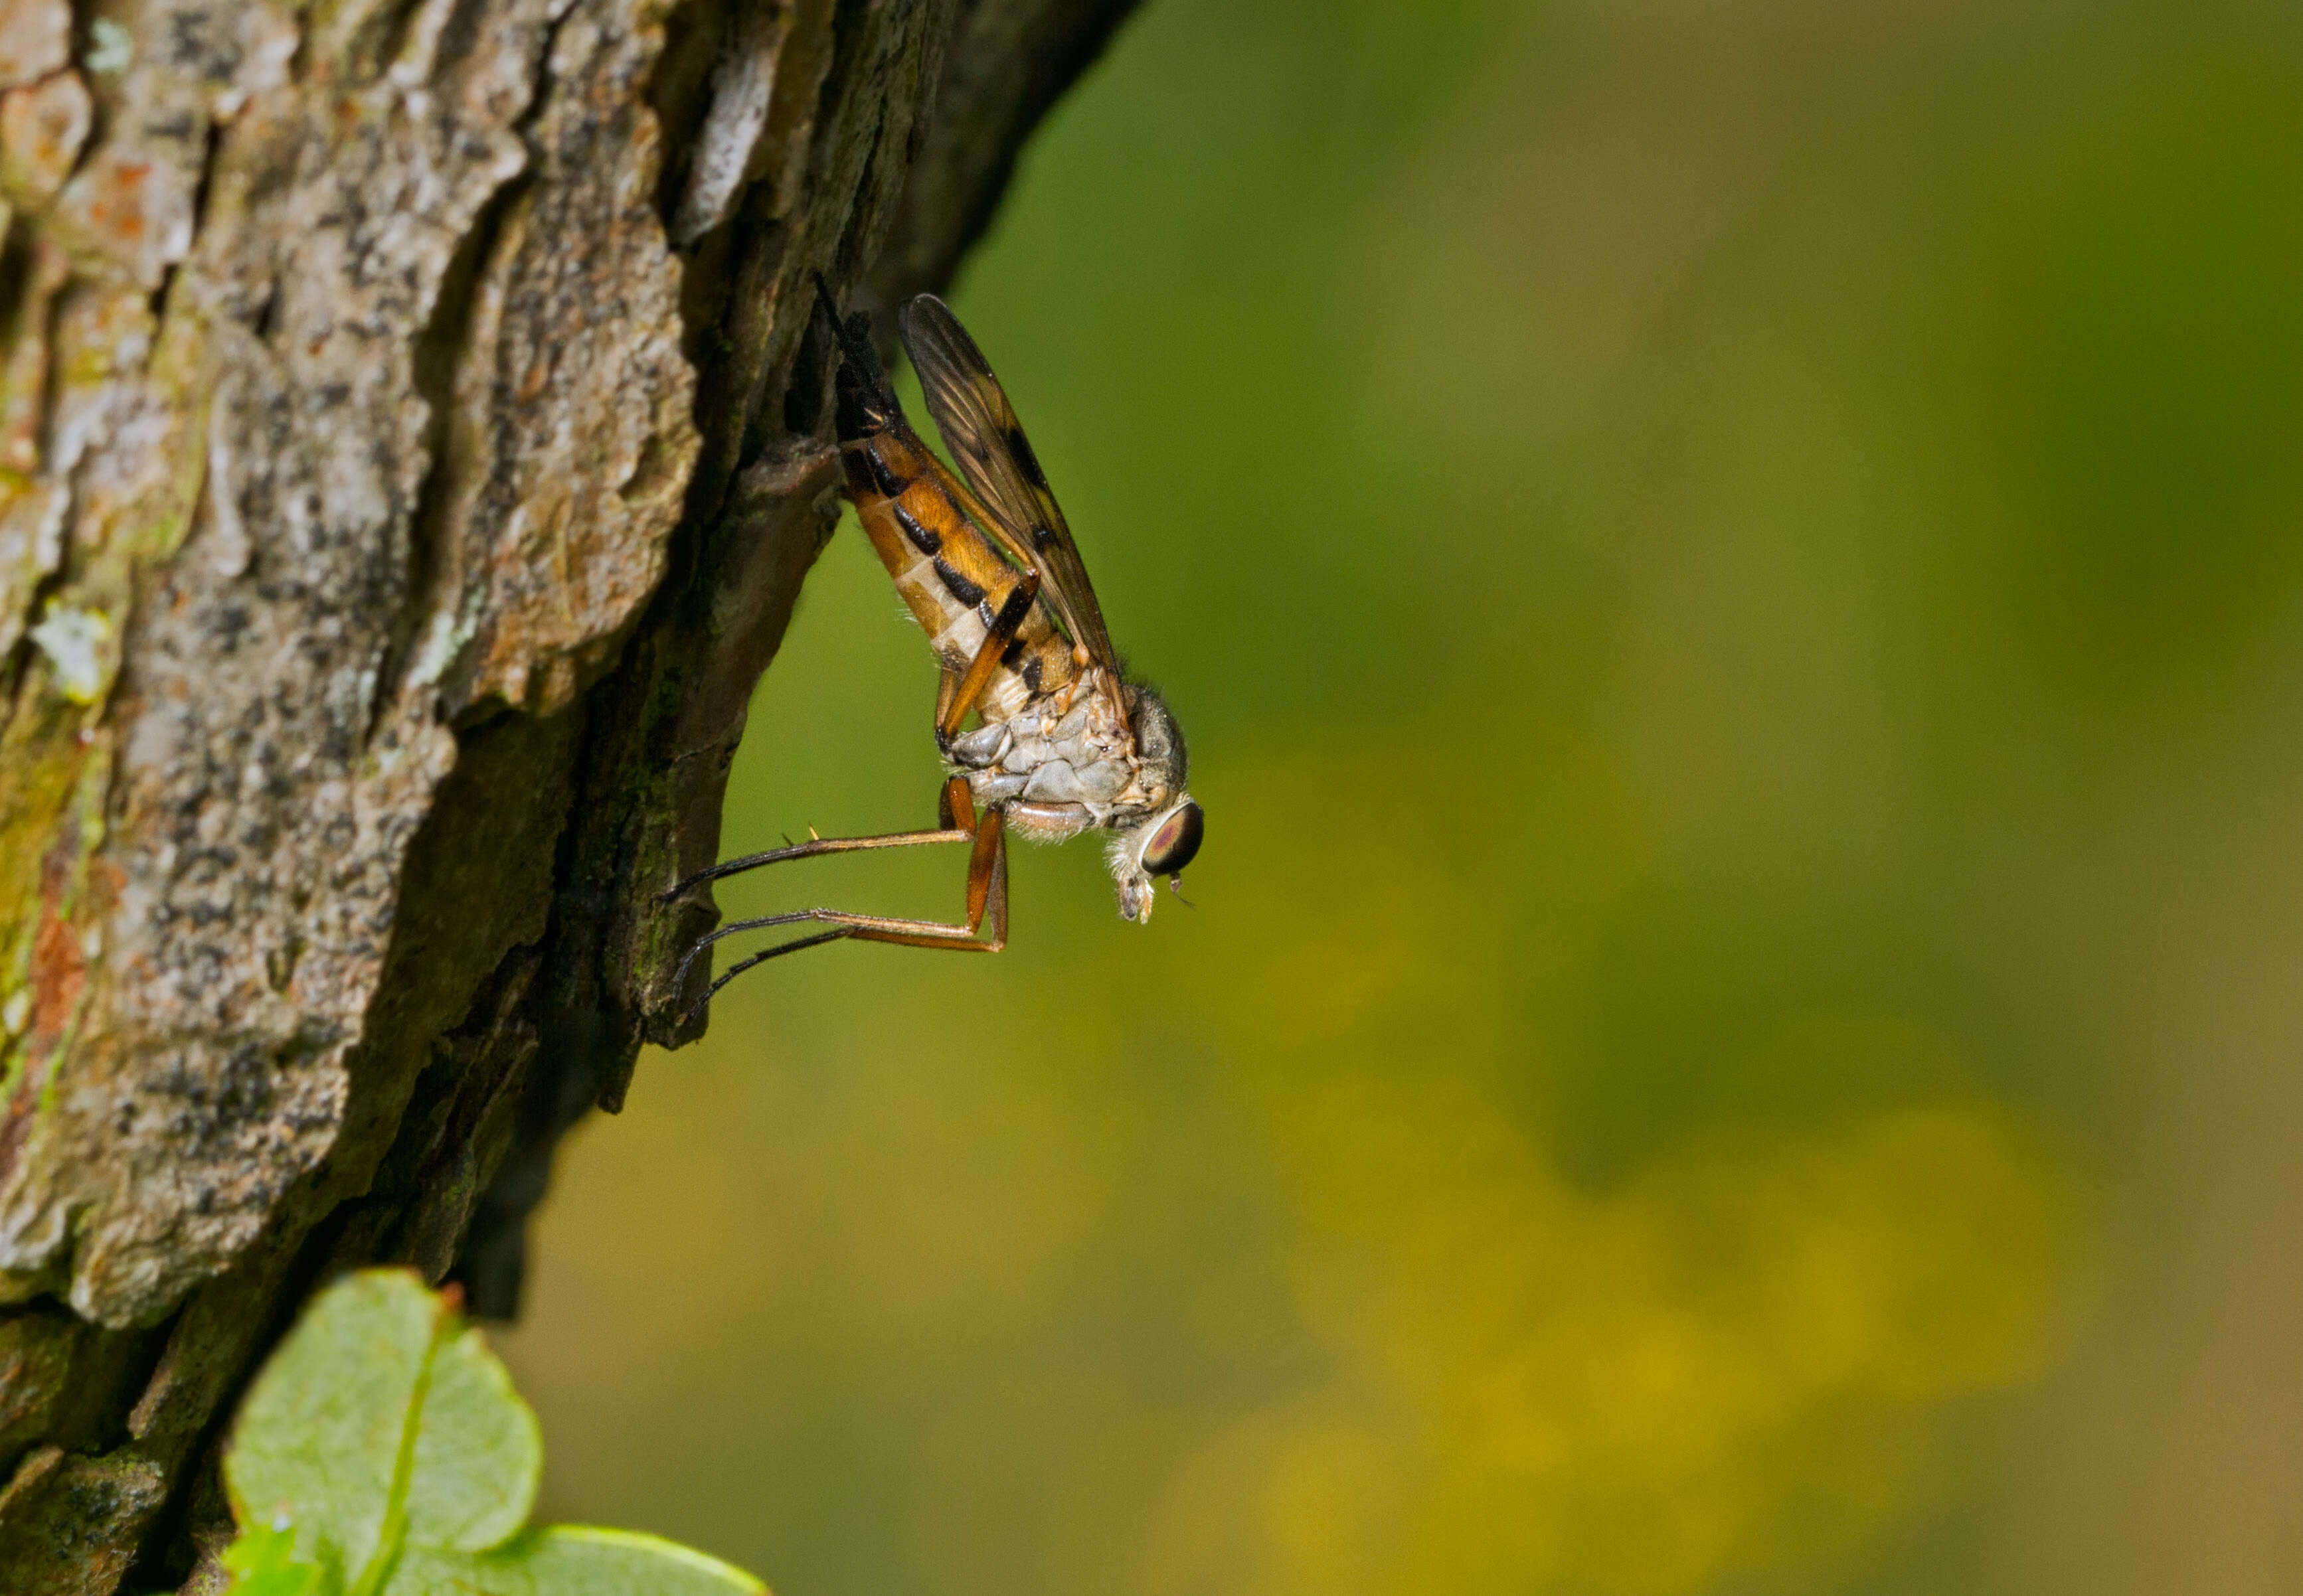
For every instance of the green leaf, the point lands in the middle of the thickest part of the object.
(564, 1561)
(479, 1456)
(382, 1449)
(262, 1563)
(322, 1439)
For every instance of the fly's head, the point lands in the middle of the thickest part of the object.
(1163, 836)
(1161, 846)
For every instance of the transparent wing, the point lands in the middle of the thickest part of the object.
(980, 428)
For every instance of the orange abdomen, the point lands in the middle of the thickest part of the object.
(949, 575)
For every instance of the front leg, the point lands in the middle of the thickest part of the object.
(953, 701)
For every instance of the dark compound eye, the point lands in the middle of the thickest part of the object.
(1174, 845)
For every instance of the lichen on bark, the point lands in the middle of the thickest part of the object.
(409, 454)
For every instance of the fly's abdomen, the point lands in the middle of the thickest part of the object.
(946, 571)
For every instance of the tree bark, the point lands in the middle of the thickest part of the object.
(412, 443)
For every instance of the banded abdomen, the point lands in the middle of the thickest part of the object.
(947, 570)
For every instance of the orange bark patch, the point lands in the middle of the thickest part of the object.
(59, 974)
(41, 131)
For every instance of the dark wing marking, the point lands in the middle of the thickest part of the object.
(980, 428)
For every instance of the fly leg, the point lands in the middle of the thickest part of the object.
(824, 845)
(952, 708)
(987, 894)
(947, 687)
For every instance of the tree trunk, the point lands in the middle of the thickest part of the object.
(411, 445)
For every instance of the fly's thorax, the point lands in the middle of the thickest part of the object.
(1108, 756)
(1163, 765)
(1074, 749)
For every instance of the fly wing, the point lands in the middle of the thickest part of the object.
(980, 428)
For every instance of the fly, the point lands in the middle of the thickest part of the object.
(1064, 741)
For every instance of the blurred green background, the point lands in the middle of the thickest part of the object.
(1732, 573)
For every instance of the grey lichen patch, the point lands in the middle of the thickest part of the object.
(111, 48)
(77, 643)
(31, 546)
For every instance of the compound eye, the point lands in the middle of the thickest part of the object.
(1175, 842)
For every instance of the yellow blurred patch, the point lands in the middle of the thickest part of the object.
(1733, 1359)
(1730, 1362)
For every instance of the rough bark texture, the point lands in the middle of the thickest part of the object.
(410, 451)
